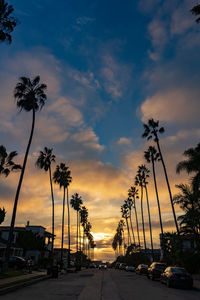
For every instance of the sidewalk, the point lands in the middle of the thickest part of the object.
(12, 283)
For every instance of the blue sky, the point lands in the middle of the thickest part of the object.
(109, 66)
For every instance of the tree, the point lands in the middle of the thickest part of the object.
(129, 203)
(196, 11)
(139, 182)
(7, 164)
(125, 215)
(30, 96)
(44, 161)
(151, 155)
(189, 202)
(7, 22)
(191, 165)
(133, 193)
(151, 130)
(84, 219)
(145, 174)
(2, 215)
(76, 203)
(27, 240)
(62, 176)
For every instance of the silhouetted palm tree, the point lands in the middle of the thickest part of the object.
(145, 174)
(120, 229)
(44, 161)
(139, 182)
(125, 215)
(7, 164)
(30, 96)
(129, 203)
(84, 219)
(76, 203)
(151, 130)
(7, 22)
(196, 11)
(62, 176)
(2, 214)
(151, 155)
(133, 193)
(192, 165)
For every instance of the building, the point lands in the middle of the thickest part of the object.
(39, 231)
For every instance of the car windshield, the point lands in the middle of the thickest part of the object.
(161, 267)
(179, 271)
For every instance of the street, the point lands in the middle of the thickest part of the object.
(93, 284)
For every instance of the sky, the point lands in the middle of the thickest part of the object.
(109, 66)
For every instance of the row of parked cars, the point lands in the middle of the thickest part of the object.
(172, 276)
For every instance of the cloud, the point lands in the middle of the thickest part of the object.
(147, 6)
(124, 141)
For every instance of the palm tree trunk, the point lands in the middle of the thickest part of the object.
(136, 218)
(124, 241)
(132, 228)
(52, 197)
(145, 246)
(150, 230)
(63, 220)
(128, 231)
(168, 185)
(77, 234)
(68, 226)
(158, 202)
(10, 237)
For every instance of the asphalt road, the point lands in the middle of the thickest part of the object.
(101, 285)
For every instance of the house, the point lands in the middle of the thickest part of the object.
(39, 231)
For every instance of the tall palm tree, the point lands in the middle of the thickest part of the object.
(129, 203)
(191, 165)
(84, 219)
(125, 215)
(145, 174)
(196, 11)
(151, 130)
(151, 155)
(62, 176)
(139, 182)
(7, 164)
(133, 193)
(2, 214)
(44, 161)
(88, 227)
(76, 203)
(30, 96)
(7, 21)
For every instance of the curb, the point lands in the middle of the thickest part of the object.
(17, 286)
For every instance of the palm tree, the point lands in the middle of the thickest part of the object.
(125, 215)
(44, 161)
(62, 176)
(188, 200)
(196, 11)
(7, 22)
(151, 130)
(7, 164)
(84, 219)
(191, 165)
(133, 193)
(151, 155)
(76, 203)
(145, 174)
(30, 96)
(2, 215)
(139, 182)
(129, 203)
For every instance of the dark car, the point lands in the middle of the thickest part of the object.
(16, 262)
(155, 270)
(141, 269)
(176, 277)
(122, 266)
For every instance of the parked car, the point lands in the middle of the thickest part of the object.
(141, 269)
(117, 265)
(122, 266)
(92, 266)
(17, 262)
(177, 277)
(130, 269)
(155, 270)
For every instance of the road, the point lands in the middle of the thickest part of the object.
(101, 285)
